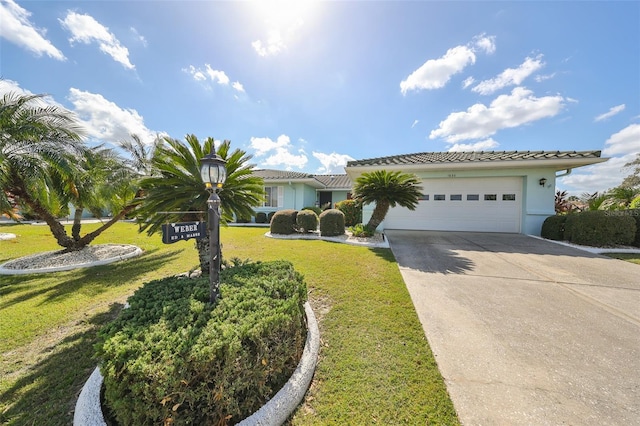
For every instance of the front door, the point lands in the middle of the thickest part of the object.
(325, 200)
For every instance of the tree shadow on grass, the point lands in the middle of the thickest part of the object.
(47, 393)
(91, 281)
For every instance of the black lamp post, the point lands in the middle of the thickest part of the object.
(214, 173)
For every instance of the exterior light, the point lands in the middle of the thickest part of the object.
(542, 181)
(214, 173)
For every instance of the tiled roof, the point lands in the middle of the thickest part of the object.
(341, 181)
(473, 157)
(334, 181)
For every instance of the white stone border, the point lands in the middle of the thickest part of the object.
(339, 239)
(8, 271)
(275, 412)
(594, 250)
(7, 236)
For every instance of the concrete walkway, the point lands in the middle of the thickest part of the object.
(527, 332)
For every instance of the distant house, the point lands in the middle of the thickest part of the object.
(510, 191)
(295, 190)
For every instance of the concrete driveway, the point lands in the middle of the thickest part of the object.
(525, 331)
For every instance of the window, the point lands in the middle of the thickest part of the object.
(490, 197)
(455, 197)
(424, 197)
(439, 197)
(508, 197)
(271, 196)
(473, 197)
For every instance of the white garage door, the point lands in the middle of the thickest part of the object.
(463, 204)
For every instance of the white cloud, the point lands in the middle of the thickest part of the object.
(263, 145)
(435, 73)
(506, 111)
(85, 29)
(10, 86)
(415, 123)
(215, 76)
(284, 21)
(598, 177)
(105, 120)
(612, 111)
(139, 37)
(510, 76)
(485, 145)
(332, 163)
(16, 27)
(626, 141)
(543, 77)
(468, 82)
(284, 158)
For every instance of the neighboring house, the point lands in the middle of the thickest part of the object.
(478, 191)
(295, 190)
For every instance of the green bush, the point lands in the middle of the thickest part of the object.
(331, 223)
(316, 210)
(600, 228)
(360, 230)
(352, 210)
(172, 359)
(307, 220)
(553, 227)
(241, 219)
(635, 203)
(284, 222)
(261, 217)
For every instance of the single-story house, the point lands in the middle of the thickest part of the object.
(296, 190)
(511, 191)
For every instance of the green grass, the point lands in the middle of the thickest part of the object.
(629, 257)
(375, 364)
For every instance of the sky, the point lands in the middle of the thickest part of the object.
(309, 85)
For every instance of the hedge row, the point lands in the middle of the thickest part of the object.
(289, 222)
(595, 228)
(172, 358)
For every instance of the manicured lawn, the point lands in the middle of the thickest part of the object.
(375, 364)
(629, 257)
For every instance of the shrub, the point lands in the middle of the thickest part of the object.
(270, 216)
(172, 359)
(241, 219)
(635, 203)
(307, 220)
(600, 228)
(360, 230)
(553, 227)
(316, 210)
(284, 222)
(261, 217)
(352, 210)
(331, 223)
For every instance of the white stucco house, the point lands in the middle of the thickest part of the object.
(511, 191)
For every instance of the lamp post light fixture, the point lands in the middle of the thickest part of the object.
(214, 173)
(542, 181)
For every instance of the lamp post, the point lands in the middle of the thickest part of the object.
(214, 173)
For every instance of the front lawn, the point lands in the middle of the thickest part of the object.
(375, 364)
(629, 257)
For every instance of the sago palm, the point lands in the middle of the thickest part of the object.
(387, 189)
(175, 191)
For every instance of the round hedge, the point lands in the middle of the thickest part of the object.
(173, 359)
(331, 223)
(284, 222)
(307, 220)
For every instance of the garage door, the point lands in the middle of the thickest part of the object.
(463, 204)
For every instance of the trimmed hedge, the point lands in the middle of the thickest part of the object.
(331, 223)
(352, 210)
(316, 210)
(600, 228)
(553, 227)
(307, 220)
(173, 359)
(261, 217)
(284, 222)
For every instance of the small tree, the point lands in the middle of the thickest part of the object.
(387, 189)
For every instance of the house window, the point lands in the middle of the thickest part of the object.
(455, 197)
(490, 197)
(508, 197)
(271, 196)
(473, 197)
(439, 197)
(424, 197)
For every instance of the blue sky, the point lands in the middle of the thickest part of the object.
(307, 86)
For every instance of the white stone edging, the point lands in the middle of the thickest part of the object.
(275, 412)
(8, 271)
(594, 250)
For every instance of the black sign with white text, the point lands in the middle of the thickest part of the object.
(173, 232)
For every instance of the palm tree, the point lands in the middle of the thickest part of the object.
(45, 166)
(387, 189)
(175, 192)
